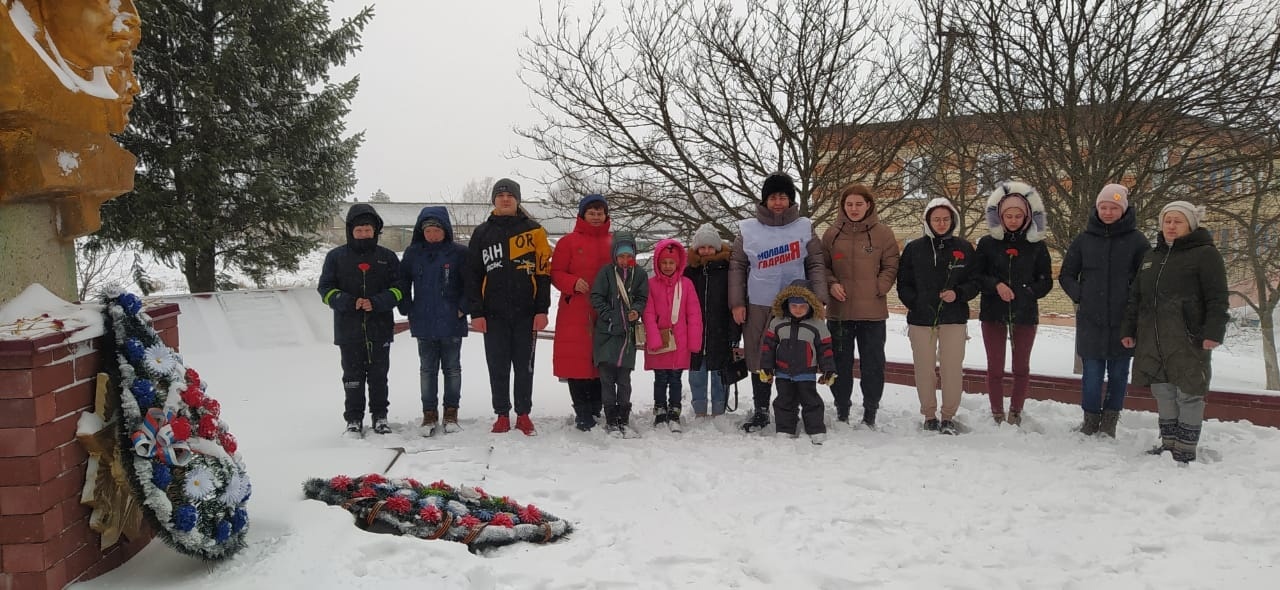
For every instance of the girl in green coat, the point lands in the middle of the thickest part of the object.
(618, 295)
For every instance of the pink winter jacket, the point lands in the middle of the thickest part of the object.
(657, 313)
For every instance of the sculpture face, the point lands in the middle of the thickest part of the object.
(85, 32)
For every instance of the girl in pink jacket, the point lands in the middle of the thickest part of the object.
(673, 329)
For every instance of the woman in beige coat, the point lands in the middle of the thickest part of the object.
(861, 257)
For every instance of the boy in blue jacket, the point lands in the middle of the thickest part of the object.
(431, 279)
(358, 281)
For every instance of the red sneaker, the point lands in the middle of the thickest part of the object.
(525, 425)
(502, 424)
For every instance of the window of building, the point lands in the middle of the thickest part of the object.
(917, 174)
(993, 168)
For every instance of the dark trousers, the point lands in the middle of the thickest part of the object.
(508, 346)
(615, 389)
(666, 388)
(760, 392)
(868, 338)
(792, 396)
(365, 364)
(994, 335)
(585, 395)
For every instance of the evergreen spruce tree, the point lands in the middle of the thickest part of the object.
(239, 134)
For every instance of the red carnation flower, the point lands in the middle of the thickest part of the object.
(374, 479)
(399, 504)
(193, 378)
(228, 441)
(181, 428)
(531, 515)
(469, 521)
(502, 519)
(365, 492)
(481, 491)
(958, 255)
(208, 426)
(441, 485)
(413, 482)
(1011, 251)
(192, 396)
(430, 514)
(212, 406)
(339, 483)
(363, 266)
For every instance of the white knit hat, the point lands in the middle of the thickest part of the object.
(1193, 213)
(706, 236)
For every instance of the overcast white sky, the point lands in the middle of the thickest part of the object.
(440, 95)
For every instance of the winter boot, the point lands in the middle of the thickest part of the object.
(355, 429)
(673, 418)
(869, 417)
(1168, 433)
(759, 419)
(818, 438)
(660, 415)
(931, 425)
(611, 421)
(1092, 421)
(997, 416)
(624, 422)
(502, 424)
(380, 426)
(430, 422)
(947, 427)
(842, 414)
(525, 425)
(1185, 442)
(1015, 418)
(1109, 420)
(584, 421)
(451, 420)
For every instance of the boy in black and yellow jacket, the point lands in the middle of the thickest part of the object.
(508, 294)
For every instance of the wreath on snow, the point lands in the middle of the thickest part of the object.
(177, 452)
(463, 514)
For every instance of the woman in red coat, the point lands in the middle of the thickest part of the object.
(577, 258)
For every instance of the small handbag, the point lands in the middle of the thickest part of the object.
(735, 371)
(668, 334)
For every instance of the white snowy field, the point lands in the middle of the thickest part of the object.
(999, 507)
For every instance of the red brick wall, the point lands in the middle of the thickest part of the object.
(1262, 410)
(45, 384)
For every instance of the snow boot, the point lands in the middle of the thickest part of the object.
(818, 438)
(1185, 442)
(1092, 422)
(947, 427)
(430, 422)
(355, 429)
(673, 419)
(842, 414)
(525, 425)
(1168, 432)
(660, 416)
(931, 425)
(997, 416)
(759, 419)
(502, 424)
(380, 426)
(451, 420)
(869, 417)
(1015, 418)
(1109, 420)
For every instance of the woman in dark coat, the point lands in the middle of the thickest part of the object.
(1176, 316)
(1096, 273)
(1015, 273)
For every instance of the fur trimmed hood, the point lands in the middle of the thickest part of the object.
(722, 254)
(1035, 224)
(780, 302)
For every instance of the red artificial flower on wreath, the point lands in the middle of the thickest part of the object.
(181, 428)
(430, 514)
(1011, 251)
(365, 492)
(208, 426)
(193, 378)
(339, 483)
(374, 479)
(531, 515)
(413, 482)
(399, 504)
(441, 485)
(481, 491)
(192, 396)
(502, 519)
(212, 406)
(228, 442)
(469, 521)
(363, 266)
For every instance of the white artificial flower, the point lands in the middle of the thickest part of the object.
(201, 483)
(468, 493)
(237, 489)
(159, 360)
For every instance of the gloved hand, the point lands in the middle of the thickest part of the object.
(766, 376)
(828, 378)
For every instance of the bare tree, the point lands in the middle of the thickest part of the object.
(1079, 93)
(682, 107)
(97, 265)
(477, 190)
(379, 196)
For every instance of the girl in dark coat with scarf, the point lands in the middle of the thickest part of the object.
(1015, 273)
(709, 271)
(1096, 274)
(1176, 316)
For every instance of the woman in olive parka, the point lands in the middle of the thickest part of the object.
(1176, 316)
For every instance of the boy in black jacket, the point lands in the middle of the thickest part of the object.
(508, 293)
(358, 282)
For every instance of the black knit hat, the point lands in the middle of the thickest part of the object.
(778, 182)
(505, 185)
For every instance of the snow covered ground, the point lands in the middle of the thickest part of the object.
(999, 507)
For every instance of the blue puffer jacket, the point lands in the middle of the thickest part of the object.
(432, 281)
